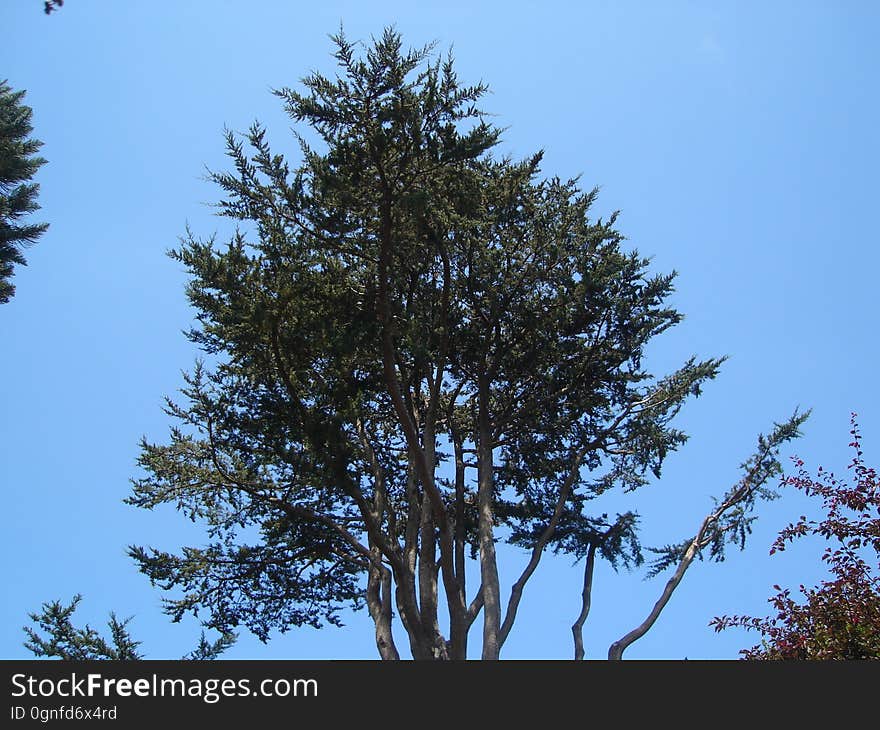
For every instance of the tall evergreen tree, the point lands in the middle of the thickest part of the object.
(18, 196)
(415, 349)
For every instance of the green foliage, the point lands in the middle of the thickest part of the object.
(65, 641)
(62, 640)
(411, 345)
(18, 196)
(733, 514)
(209, 650)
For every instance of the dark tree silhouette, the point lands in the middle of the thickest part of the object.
(18, 196)
(415, 350)
(55, 636)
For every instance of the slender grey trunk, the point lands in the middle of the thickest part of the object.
(428, 571)
(701, 540)
(486, 516)
(615, 651)
(516, 590)
(577, 628)
(458, 632)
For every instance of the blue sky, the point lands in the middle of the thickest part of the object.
(738, 139)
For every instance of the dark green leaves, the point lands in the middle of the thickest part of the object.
(18, 196)
(391, 303)
(63, 640)
(733, 513)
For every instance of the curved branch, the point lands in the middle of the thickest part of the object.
(517, 588)
(744, 489)
(577, 628)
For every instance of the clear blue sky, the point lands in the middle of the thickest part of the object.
(739, 140)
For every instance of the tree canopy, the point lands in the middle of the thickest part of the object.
(413, 348)
(18, 196)
(55, 635)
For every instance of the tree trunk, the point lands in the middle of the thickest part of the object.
(577, 628)
(615, 651)
(379, 605)
(485, 499)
